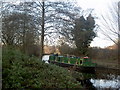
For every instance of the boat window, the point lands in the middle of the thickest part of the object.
(58, 58)
(80, 61)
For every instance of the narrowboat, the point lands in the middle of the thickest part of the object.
(81, 63)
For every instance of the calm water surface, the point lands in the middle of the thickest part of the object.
(102, 80)
(113, 82)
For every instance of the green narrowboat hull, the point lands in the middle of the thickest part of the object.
(78, 64)
(72, 61)
(79, 68)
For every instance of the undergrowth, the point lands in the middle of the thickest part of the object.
(22, 71)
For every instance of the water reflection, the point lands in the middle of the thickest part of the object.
(101, 81)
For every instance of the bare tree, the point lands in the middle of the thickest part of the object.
(110, 23)
(42, 34)
(18, 25)
(53, 16)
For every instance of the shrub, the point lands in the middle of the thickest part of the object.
(22, 71)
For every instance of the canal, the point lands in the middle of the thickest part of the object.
(102, 79)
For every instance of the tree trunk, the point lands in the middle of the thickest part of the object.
(42, 36)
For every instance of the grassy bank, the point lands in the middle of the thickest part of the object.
(22, 71)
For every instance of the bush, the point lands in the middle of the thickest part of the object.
(22, 71)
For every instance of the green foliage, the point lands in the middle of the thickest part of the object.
(21, 71)
(83, 33)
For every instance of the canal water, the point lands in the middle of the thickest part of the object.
(112, 82)
(101, 80)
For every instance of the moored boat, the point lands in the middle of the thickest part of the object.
(81, 64)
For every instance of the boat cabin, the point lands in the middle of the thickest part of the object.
(84, 61)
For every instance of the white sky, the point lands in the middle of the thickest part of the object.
(100, 8)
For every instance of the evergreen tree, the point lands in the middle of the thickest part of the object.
(83, 33)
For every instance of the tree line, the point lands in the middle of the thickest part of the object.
(28, 25)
